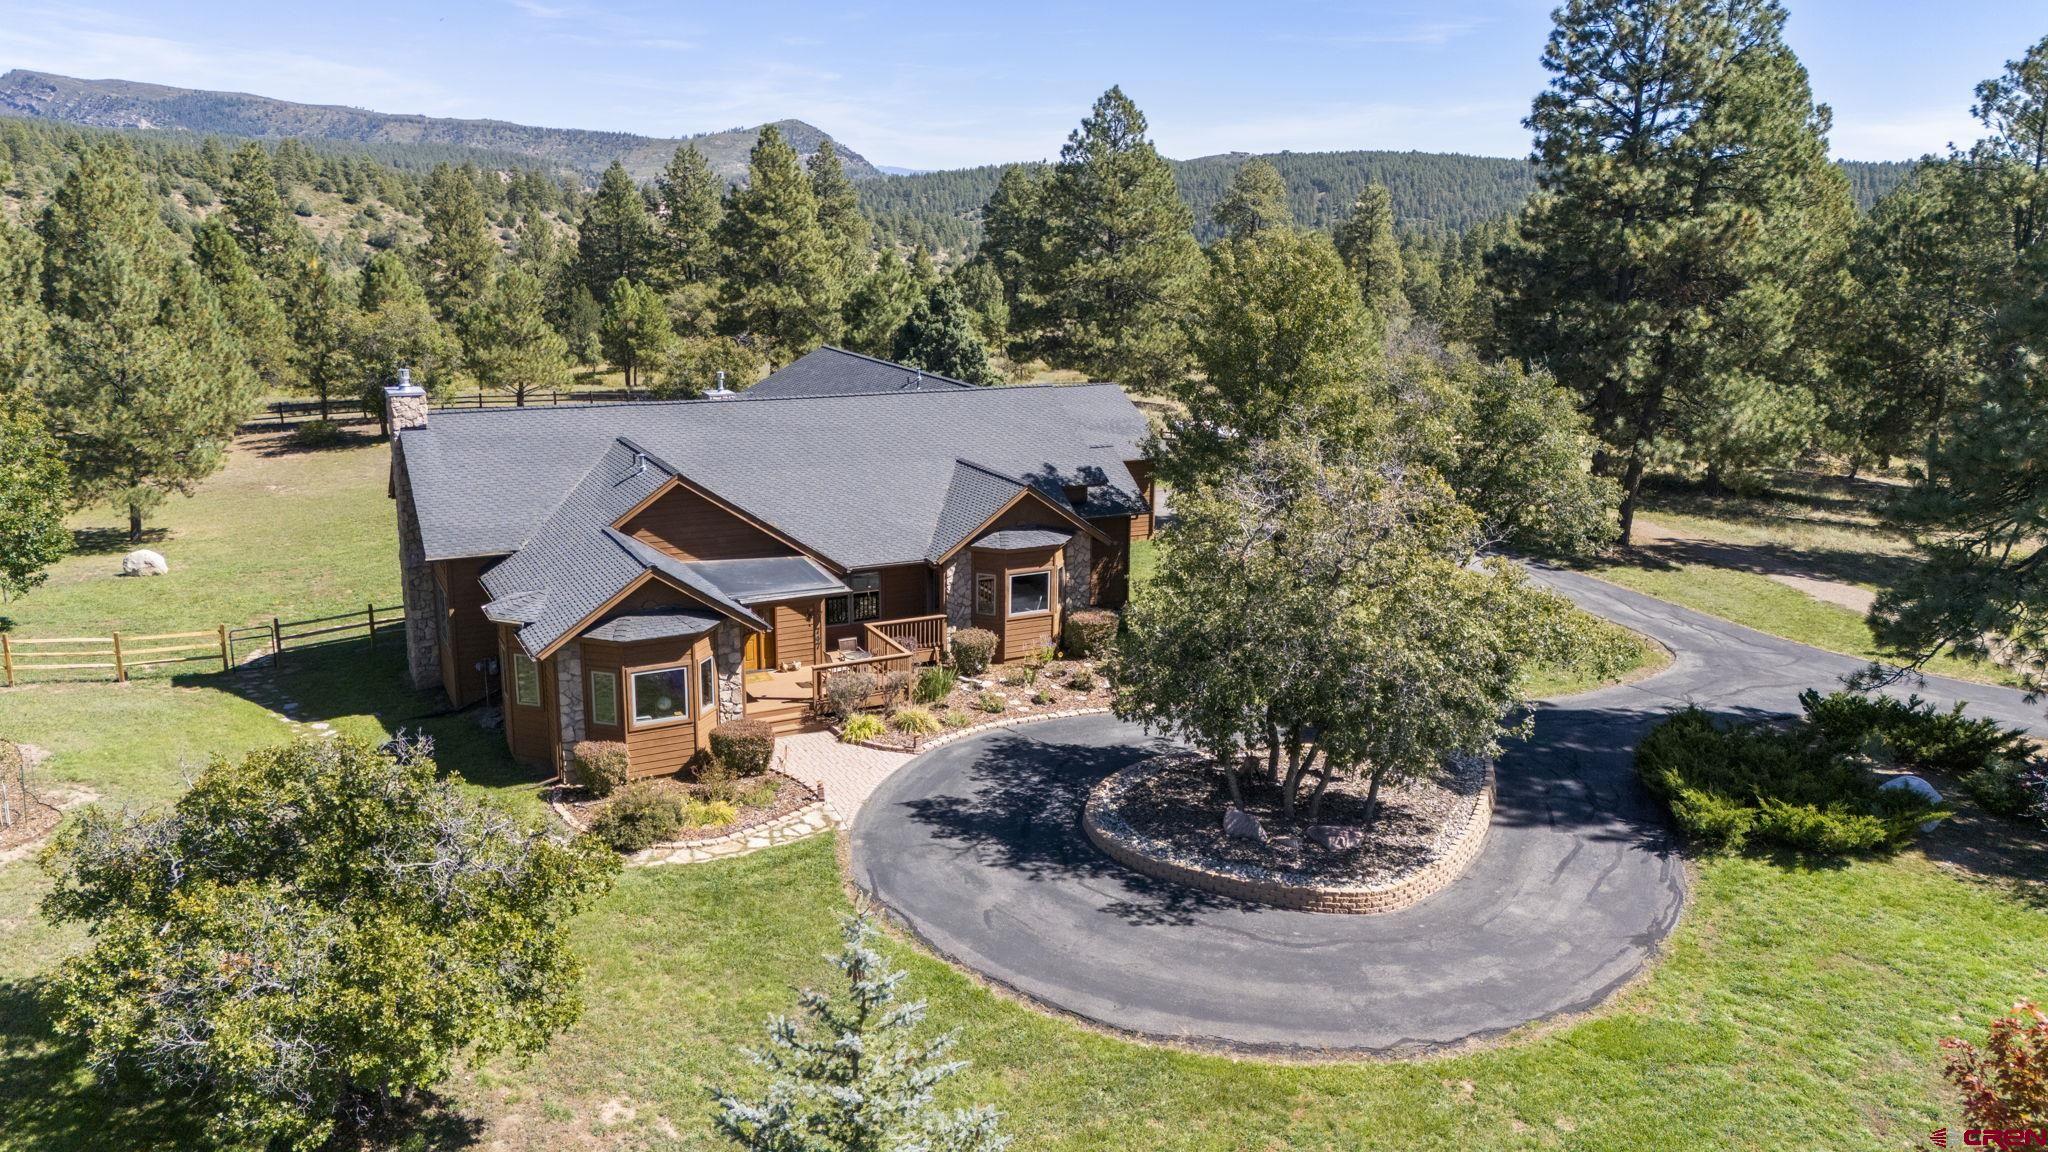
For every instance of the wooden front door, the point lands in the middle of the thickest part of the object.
(760, 651)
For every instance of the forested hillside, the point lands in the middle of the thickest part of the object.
(127, 104)
(1435, 194)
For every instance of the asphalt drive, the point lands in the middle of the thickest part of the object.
(977, 848)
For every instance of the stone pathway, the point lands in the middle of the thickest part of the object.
(262, 688)
(804, 822)
(846, 774)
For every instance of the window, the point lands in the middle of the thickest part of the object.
(661, 695)
(525, 681)
(707, 685)
(604, 698)
(863, 603)
(984, 594)
(1030, 592)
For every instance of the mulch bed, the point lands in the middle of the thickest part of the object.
(30, 816)
(581, 808)
(1019, 691)
(1183, 807)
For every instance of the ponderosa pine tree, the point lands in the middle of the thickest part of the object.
(252, 311)
(686, 239)
(1013, 239)
(635, 329)
(511, 348)
(839, 215)
(939, 337)
(322, 319)
(616, 239)
(1119, 267)
(394, 327)
(460, 254)
(780, 271)
(1255, 201)
(146, 380)
(23, 328)
(1366, 241)
(1686, 197)
(982, 291)
(256, 214)
(878, 306)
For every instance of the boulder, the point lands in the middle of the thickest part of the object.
(1242, 825)
(1337, 837)
(1918, 787)
(143, 562)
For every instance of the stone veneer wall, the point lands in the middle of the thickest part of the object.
(569, 693)
(729, 655)
(956, 590)
(416, 581)
(1075, 596)
(1457, 845)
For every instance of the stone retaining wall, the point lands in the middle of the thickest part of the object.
(971, 730)
(1457, 844)
(797, 824)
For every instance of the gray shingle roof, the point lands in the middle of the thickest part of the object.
(863, 481)
(1016, 539)
(830, 371)
(655, 625)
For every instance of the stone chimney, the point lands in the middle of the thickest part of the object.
(405, 405)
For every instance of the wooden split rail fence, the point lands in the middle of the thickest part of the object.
(123, 652)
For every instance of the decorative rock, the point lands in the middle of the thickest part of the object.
(143, 562)
(1337, 837)
(1242, 825)
(1918, 787)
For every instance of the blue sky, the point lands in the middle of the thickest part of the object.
(933, 85)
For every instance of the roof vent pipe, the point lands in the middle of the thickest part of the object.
(640, 463)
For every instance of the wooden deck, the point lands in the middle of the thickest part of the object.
(893, 645)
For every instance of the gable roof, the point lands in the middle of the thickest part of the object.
(830, 371)
(863, 481)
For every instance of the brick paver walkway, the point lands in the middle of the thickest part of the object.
(847, 773)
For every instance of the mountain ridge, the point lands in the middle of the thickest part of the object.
(134, 104)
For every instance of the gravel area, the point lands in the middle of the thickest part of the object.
(1018, 690)
(1181, 809)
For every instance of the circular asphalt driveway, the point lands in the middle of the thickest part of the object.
(977, 847)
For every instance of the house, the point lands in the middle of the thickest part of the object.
(643, 572)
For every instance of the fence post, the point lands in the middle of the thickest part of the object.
(120, 669)
(7, 658)
(276, 643)
(373, 623)
(227, 662)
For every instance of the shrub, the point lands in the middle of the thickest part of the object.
(708, 813)
(934, 683)
(990, 702)
(973, 648)
(2006, 788)
(957, 719)
(914, 721)
(640, 816)
(1917, 733)
(1018, 676)
(845, 692)
(1728, 787)
(1041, 698)
(2004, 1084)
(896, 685)
(1082, 680)
(598, 766)
(861, 726)
(762, 793)
(744, 747)
(316, 434)
(715, 778)
(1088, 632)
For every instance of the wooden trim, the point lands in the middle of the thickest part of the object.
(634, 586)
(1012, 502)
(1009, 578)
(687, 716)
(676, 481)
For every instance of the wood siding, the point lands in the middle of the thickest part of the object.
(906, 591)
(667, 748)
(1020, 636)
(1141, 525)
(798, 630)
(467, 636)
(1109, 565)
(689, 527)
(531, 733)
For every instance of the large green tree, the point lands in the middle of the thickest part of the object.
(256, 214)
(1255, 201)
(635, 329)
(23, 327)
(394, 327)
(254, 313)
(1370, 249)
(308, 938)
(839, 215)
(616, 239)
(939, 336)
(34, 491)
(510, 345)
(878, 306)
(146, 380)
(1687, 207)
(460, 253)
(322, 318)
(1118, 267)
(686, 236)
(781, 283)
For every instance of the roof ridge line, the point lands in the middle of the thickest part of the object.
(970, 390)
(888, 364)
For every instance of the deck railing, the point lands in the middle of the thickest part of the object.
(920, 634)
(893, 646)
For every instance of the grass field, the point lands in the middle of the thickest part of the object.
(1797, 1006)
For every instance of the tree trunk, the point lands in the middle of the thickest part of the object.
(1230, 765)
(1631, 487)
(134, 523)
(323, 402)
(1272, 751)
(1315, 802)
(1372, 798)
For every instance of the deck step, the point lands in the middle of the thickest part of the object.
(784, 718)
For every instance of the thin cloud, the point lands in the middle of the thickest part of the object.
(1434, 35)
